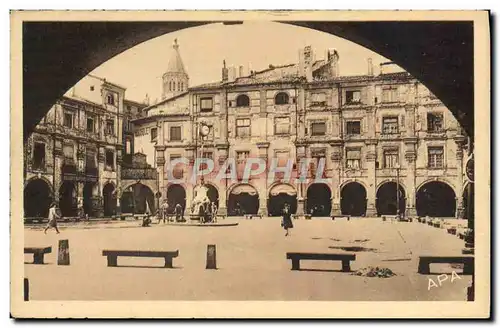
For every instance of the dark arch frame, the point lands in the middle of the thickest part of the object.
(438, 53)
(41, 204)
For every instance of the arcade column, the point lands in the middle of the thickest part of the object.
(371, 157)
(336, 158)
(410, 156)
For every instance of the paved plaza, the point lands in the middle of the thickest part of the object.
(251, 260)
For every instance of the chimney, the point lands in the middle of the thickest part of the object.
(305, 63)
(370, 67)
(231, 76)
(241, 72)
(333, 60)
(224, 71)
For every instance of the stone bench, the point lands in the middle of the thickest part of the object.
(345, 258)
(348, 217)
(425, 262)
(251, 216)
(38, 253)
(114, 254)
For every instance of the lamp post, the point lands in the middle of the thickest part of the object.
(397, 167)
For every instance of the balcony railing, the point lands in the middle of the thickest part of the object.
(69, 169)
(91, 171)
(139, 174)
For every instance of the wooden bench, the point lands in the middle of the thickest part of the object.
(425, 262)
(345, 258)
(38, 253)
(113, 256)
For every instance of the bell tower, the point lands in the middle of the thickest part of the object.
(175, 79)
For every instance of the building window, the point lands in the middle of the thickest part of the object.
(435, 157)
(282, 125)
(92, 88)
(242, 101)
(353, 158)
(354, 128)
(241, 156)
(316, 155)
(110, 159)
(110, 127)
(110, 99)
(243, 127)
(68, 120)
(281, 99)
(90, 124)
(318, 129)
(154, 134)
(390, 95)
(318, 99)
(69, 153)
(129, 109)
(90, 158)
(39, 156)
(434, 122)
(207, 154)
(175, 133)
(390, 125)
(206, 104)
(353, 97)
(391, 158)
(128, 146)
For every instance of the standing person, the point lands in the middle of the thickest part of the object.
(214, 212)
(287, 219)
(164, 211)
(53, 216)
(178, 212)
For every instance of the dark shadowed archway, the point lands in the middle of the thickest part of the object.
(353, 199)
(37, 198)
(436, 199)
(319, 200)
(279, 195)
(387, 199)
(109, 200)
(176, 194)
(243, 199)
(67, 199)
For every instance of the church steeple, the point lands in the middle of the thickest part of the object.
(175, 79)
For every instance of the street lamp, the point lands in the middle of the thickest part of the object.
(397, 167)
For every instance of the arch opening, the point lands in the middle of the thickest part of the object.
(68, 199)
(176, 194)
(279, 195)
(387, 196)
(109, 200)
(243, 199)
(89, 198)
(436, 199)
(319, 201)
(37, 198)
(353, 199)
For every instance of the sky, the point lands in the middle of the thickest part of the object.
(254, 44)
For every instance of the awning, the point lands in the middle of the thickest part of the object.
(283, 189)
(244, 188)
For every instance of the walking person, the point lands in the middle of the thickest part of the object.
(53, 216)
(287, 219)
